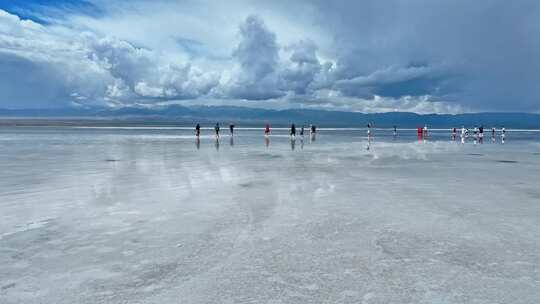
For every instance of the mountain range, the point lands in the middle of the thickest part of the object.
(182, 115)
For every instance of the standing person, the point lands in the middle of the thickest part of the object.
(503, 134)
(293, 130)
(463, 134)
(419, 133)
(425, 132)
(216, 129)
(197, 130)
(302, 131)
(369, 130)
(481, 134)
(454, 133)
(475, 133)
(493, 134)
(231, 129)
(313, 129)
(395, 131)
(267, 130)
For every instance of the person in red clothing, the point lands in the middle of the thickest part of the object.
(419, 132)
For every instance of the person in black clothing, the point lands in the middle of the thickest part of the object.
(481, 134)
(216, 128)
(302, 131)
(293, 130)
(197, 130)
(231, 129)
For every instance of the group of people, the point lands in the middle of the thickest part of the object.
(312, 130)
(478, 134)
(217, 128)
(422, 132)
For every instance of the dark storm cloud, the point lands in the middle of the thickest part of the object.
(303, 68)
(489, 48)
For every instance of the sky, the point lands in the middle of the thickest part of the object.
(420, 56)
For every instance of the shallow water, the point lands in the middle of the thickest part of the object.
(120, 215)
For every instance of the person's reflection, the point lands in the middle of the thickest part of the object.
(217, 144)
(266, 141)
(293, 143)
(231, 141)
(368, 143)
(198, 143)
(312, 137)
(301, 143)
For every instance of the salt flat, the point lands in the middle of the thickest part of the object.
(151, 216)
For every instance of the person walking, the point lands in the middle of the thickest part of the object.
(216, 129)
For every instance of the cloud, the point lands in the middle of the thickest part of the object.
(63, 67)
(362, 56)
(303, 68)
(257, 57)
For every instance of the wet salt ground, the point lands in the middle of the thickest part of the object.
(144, 216)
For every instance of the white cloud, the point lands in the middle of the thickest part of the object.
(365, 56)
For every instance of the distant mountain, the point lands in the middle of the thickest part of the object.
(180, 115)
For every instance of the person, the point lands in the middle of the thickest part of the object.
(481, 134)
(313, 129)
(503, 134)
(369, 130)
(302, 131)
(231, 129)
(197, 130)
(216, 128)
(493, 134)
(267, 130)
(395, 131)
(463, 134)
(419, 133)
(475, 133)
(425, 132)
(293, 130)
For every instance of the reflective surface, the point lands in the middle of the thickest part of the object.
(122, 215)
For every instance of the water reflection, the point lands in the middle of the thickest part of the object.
(231, 141)
(266, 141)
(293, 143)
(198, 143)
(217, 143)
